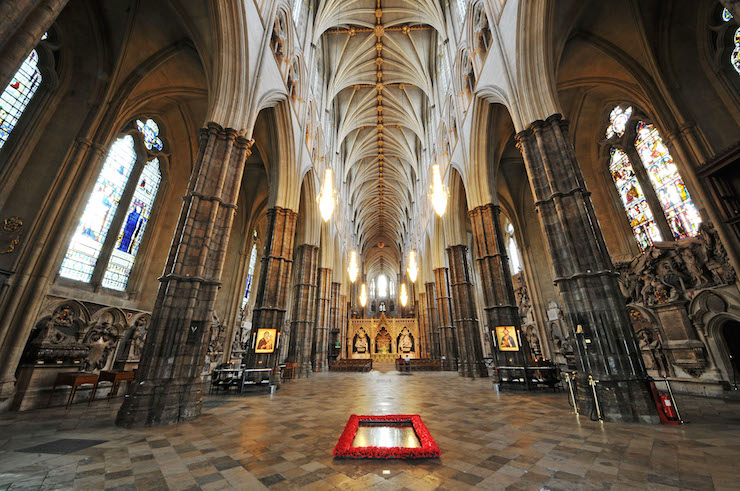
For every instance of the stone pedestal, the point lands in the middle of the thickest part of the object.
(465, 320)
(432, 320)
(167, 388)
(592, 302)
(304, 308)
(498, 289)
(686, 351)
(447, 335)
(272, 289)
(320, 349)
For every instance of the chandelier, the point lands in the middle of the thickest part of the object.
(439, 194)
(326, 196)
(404, 295)
(363, 295)
(353, 268)
(413, 269)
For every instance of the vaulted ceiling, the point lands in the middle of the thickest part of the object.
(378, 60)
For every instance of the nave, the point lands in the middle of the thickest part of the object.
(490, 440)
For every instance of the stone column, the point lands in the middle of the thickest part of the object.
(448, 337)
(421, 316)
(498, 289)
(304, 308)
(343, 321)
(592, 302)
(274, 282)
(465, 320)
(167, 388)
(334, 330)
(22, 24)
(320, 351)
(432, 321)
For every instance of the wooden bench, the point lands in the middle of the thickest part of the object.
(418, 364)
(364, 365)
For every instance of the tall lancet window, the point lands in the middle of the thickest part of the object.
(18, 94)
(512, 249)
(122, 199)
(250, 272)
(648, 182)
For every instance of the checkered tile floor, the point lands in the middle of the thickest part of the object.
(488, 440)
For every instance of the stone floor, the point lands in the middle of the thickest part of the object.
(489, 440)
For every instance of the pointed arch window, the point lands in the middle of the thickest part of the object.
(512, 249)
(18, 93)
(650, 187)
(382, 286)
(250, 274)
(122, 199)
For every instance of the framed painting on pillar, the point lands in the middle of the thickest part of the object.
(506, 338)
(266, 341)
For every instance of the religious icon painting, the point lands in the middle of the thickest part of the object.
(265, 340)
(506, 338)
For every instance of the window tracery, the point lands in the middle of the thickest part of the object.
(18, 93)
(123, 196)
(638, 143)
(735, 54)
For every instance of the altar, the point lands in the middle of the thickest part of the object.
(383, 339)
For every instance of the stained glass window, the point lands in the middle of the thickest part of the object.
(735, 55)
(382, 286)
(679, 209)
(638, 212)
(92, 229)
(18, 94)
(618, 121)
(102, 210)
(150, 132)
(250, 275)
(132, 231)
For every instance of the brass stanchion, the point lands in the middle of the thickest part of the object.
(570, 389)
(593, 383)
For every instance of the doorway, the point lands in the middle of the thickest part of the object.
(731, 332)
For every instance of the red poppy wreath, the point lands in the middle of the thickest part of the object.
(428, 448)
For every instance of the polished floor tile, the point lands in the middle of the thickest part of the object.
(488, 440)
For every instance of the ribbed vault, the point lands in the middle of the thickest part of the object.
(378, 60)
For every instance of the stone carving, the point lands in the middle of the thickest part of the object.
(137, 339)
(102, 339)
(469, 78)
(650, 342)
(217, 339)
(667, 270)
(278, 37)
(482, 33)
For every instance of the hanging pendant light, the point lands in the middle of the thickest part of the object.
(326, 196)
(413, 269)
(439, 194)
(353, 268)
(404, 295)
(363, 295)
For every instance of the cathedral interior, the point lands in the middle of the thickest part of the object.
(229, 225)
